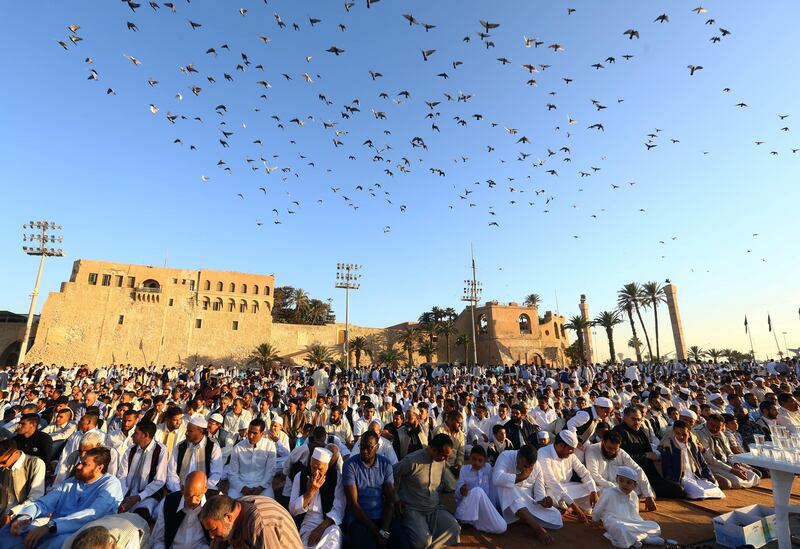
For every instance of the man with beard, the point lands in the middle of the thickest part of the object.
(410, 437)
(519, 430)
(587, 421)
(339, 426)
(604, 458)
(249, 523)
(559, 463)
(655, 413)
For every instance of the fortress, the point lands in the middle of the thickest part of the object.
(121, 313)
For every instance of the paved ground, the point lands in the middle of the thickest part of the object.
(689, 523)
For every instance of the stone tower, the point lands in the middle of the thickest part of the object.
(675, 319)
(587, 332)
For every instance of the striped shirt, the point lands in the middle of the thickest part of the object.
(264, 524)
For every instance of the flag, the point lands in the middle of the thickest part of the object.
(769, 322)
(745, 324)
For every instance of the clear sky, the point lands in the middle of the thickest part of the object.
(108, 169)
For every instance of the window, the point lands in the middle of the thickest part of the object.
(174, 280)
(483, 325)
(524, 324)
(219, 286)
(255, 289)
(198, 323)
(243, 306)
(106, 280)
(244, 288)
(183, 282)
(266, 290)
(232, 287)
(207, 285)
(555, 331)
(206, 303)
(218, 305)
(131, 282)
(255, 307)
(121, 319)
(93, 279)
(231, 306)
(120, 280)
(171, 302)
(191, 285)
(235, 325)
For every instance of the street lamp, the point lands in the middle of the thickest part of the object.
(347, 277)
(472, 295)
(39, 239)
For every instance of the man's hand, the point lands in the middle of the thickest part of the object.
(317, 482)
(547, 502)
(128, 502)
(578, 512)
(34, 536)
(593, 497)
(650, 504)
(18, 525)
(316, 533)
(739, 473)
(464, 490)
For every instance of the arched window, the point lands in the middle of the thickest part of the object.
(563, 332)
(483, 325)
(219, 286)
(218, 304)
(266, 306)
(244, 288)
(255, 307)
(206, 303)
(555, 330)
(232, 287)
(524, 324)
(255, 289)
(231, 306)
(266, 290)
(207, 285)
(243, 306)
(152, 284)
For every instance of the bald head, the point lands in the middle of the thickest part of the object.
(194, 489)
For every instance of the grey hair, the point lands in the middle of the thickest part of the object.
(92, 438)
(94, 537)
(217, 507)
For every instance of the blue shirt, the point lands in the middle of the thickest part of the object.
(369, 482)
(74, 503)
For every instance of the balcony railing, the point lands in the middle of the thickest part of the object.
(146, 290)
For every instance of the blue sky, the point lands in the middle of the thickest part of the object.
(108, 170)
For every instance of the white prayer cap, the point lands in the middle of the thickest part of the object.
(278, 420)
(323, 455)
(685, 391)
(761, 379)
(627, 472)
(569, 438)
(387, 399)
(542, 435)
(714, 396)
(603, 402)
(688, 413)
(243, 424)
(199, 421)
(550, 381)
(217, 418)
(664, 391)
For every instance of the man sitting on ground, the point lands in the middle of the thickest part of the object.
(559, 463)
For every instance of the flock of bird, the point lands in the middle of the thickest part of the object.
(403, 136)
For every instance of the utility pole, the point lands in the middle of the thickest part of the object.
(41, 238)
(472, 294)
(347, 277)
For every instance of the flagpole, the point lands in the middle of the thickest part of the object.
(750, 336)
(771, 329)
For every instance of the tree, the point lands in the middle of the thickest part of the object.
(628, 300)
(263, 355)
(429, 322)
(532, 300)
(607, 320)
(390, 356)
(696, 353)
(463, 340)
(358, 346)
(447, 328)
(302, 303)
(574, 353)
(318, 355)
(714, 354)
(654, 293)
(578, 324)
(408, 340)
(427, 349)
(634, 343)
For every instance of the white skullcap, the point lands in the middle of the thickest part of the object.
(550, 381)
(323, 455)
(685, 391)
(627, 472)
(688, 413)
(199, 421)
(759, 379)
(217, 418)
(569, 438)
(541, 435)
(387, 399)
(664, 391)
(603, 402)
(714, 396)
(278, 420)
(243, 424)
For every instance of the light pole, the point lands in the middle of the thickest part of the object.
(472, 294)
(347, 277)
(785, 345)
(41, 238)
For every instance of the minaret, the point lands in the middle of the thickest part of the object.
(675, 319)
(587, 332)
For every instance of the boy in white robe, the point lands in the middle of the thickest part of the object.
(475, 502)
(618, 510)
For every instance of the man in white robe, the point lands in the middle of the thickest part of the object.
(252, 464)
(558, 462)
(142, 471)
(605, 457)
(196, 453)
(189, 533)
(322, 515)
(519, 482)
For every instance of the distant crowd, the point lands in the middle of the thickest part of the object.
(124, 456)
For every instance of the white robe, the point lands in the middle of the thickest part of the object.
(557, 478)
(514, 496)
(478, 506)
(332, 536)
(619, 513)
(252, 467)
(694, 486)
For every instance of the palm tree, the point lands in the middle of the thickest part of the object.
(359, 345)
(532, 300)
(450, 314)
(628, 300)
(607, 320)
(302, 303)
(578, 324)
(408, 339)
(318, 354)
(696, 353)
(714, 354)
(463, 340)
(634, 343)
(263, 355)
(654, 294)
(427, 349)
(317, 312)
(428, 323)
(447, 328)
(390, 356)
